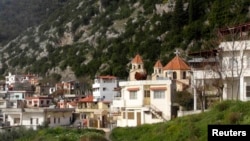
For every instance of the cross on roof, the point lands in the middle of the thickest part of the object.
(177, 52)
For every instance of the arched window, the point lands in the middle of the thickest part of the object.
(184, 75)
(174, 75)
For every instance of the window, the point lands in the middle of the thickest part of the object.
(184, 75)
(41, 101)
(37, 121)
(248, 62)
(47, 101)
(131, 115)
(174, 75)
(31, 121)
(124, 115)
(248, 91)
(160, 94)
(54, 120)
(159, 70)
(16, 120)
(233, 63)
(132, 95)
(59, 120)
(48, 120)
(146, 93)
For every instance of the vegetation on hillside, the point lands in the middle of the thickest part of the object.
(17, 16)
(188, 128)
(53, 134)
(107, 34)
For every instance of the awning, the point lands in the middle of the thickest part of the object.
(133, 89)
(158, 88)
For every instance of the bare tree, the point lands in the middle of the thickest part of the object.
(232, 48)
(203, 76)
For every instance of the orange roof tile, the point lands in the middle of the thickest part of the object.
(176, 64)
(87, 99)
(106, 77)
(158, 64)
(137, 59)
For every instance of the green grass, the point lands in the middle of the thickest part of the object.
(188, 128)
(62, 134)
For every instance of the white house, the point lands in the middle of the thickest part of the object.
(141, 100)
(103, 88)
(225, 72)
(205, 78)
(236, 69)
(35, 117)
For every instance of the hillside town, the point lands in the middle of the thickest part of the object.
(209, 76)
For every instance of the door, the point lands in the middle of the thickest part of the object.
(146, 100)
(138, 115)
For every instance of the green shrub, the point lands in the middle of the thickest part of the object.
(234, 117)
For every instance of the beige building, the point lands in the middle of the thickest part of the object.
(177, 70)
(92, 113)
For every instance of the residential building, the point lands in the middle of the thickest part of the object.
(206, 80)
(92, 113)
(103, 88)
(236, 68)
(35, 117)
(38, 101)
(142, 100)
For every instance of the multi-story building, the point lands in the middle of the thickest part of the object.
(103, 88)
(35, 112)
(92, 113)
(142, 100)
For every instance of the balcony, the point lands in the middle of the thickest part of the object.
(205, 74)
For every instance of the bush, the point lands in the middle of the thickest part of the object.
(234, 117)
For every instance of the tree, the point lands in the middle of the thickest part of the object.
(203, 77)
(184, 99)
(179, 17)
(233, 47)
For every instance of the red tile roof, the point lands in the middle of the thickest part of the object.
(106, 77)
(87, 99)
(137, 59)
(176, 64)
(158, 64)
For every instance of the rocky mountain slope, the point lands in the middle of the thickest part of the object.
(87, 38)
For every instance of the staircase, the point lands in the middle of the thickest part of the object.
(157, 112)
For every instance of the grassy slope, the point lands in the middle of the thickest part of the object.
(189, 128)
(64, 134)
